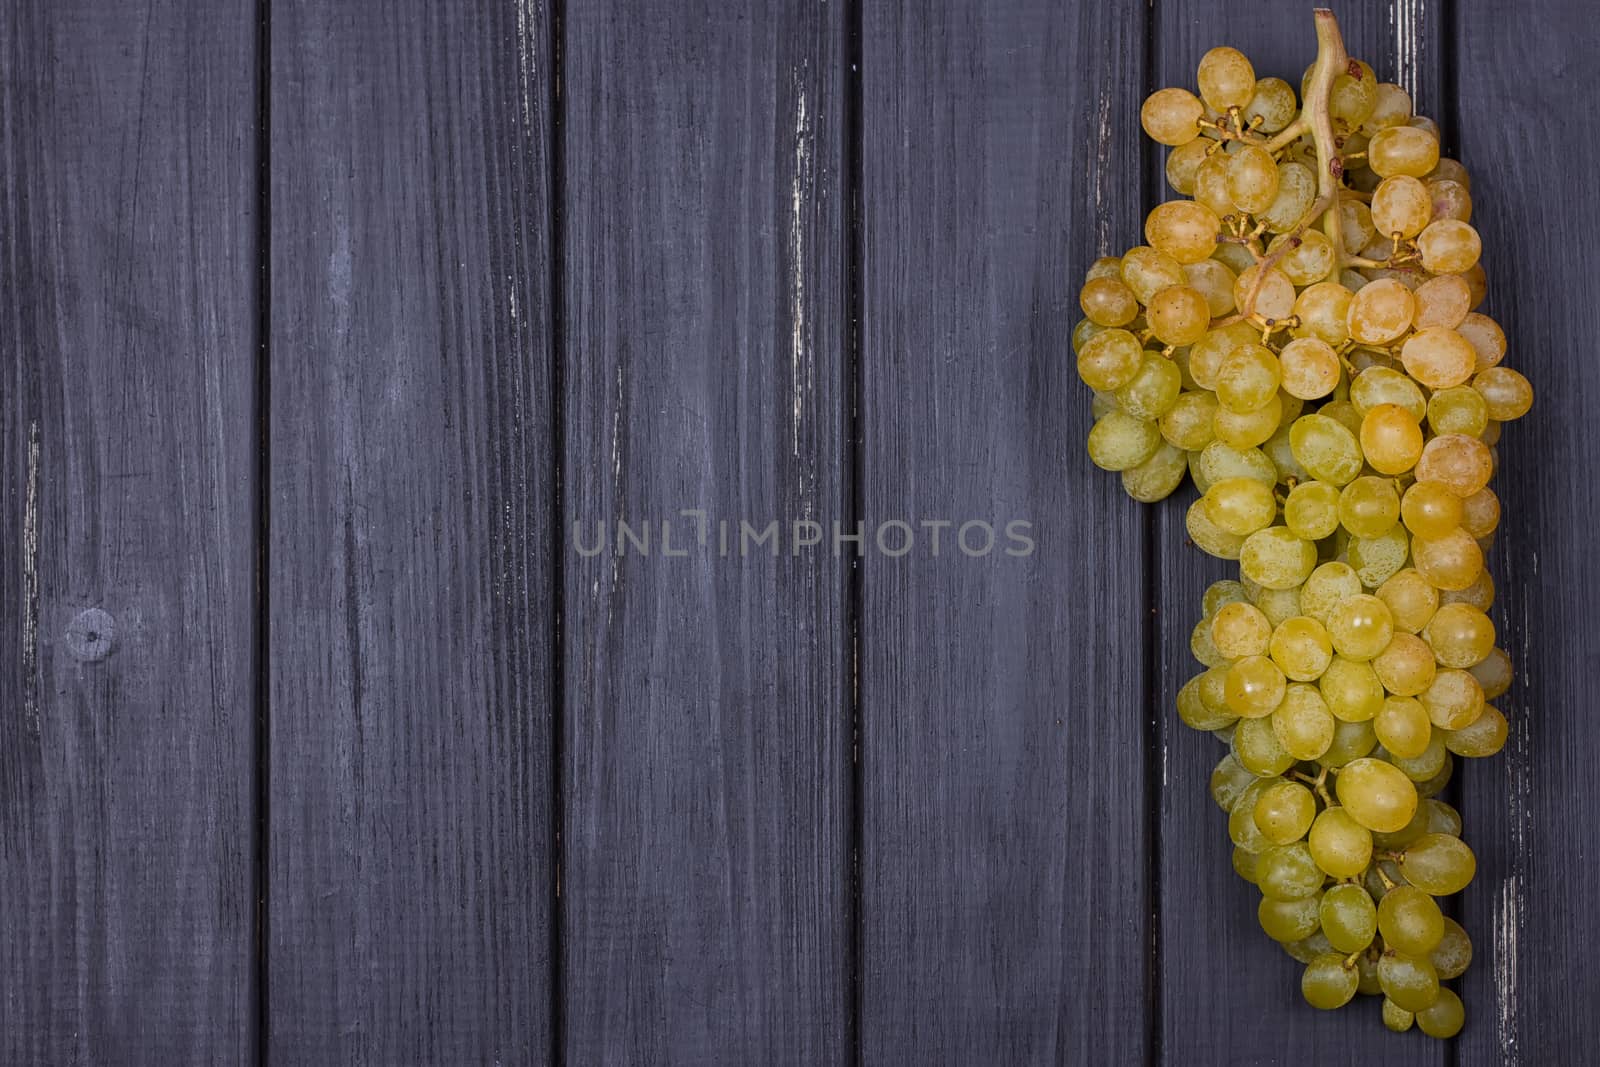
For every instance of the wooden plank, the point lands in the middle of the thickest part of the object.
(1531, 810)
(127, 318)
(411, 532)
(707, 764)
(1004, 871)
(1249, 1000)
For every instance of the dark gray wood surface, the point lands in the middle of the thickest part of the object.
(381, 299)
(127, 334)
(1004, 902)
(706, 883)
(1524, 75)
(410, 877)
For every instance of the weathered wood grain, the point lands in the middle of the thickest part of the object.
(1225, 986)
(1524, 75)
(707, 756)
(411, 530)
(127, 317)
(1003, 699)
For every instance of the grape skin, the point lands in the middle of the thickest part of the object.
(1340, 420)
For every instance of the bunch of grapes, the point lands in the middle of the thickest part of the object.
(1300, 337)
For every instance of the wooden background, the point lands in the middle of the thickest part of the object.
(321, 323)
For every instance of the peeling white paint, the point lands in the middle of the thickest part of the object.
(1405, 20)
(799, 365)
(1507, 923)
(527, 64)
(1102, 170)
(30, 584)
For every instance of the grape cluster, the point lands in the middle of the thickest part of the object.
(1300, 338)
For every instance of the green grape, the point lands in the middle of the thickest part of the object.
(1279, 605)
(1220, 594)
(1461, 636)
(1348, 918)
(1454, 700)
(1412, 601)
(1440, 864)
(1376, 794)
(1323, 310)
(1391, 439)
(1288, 920)
(1252, 179)
(1406, 668)
(1310, 367)
(1273, 103)
(1326, 588)
(1179, 314)
(1254, 686)
(1187, 423)
(1153, 389)
(1339, 845)
(1287, 872)
(1256, 746)
(1172, 116)
(1377, 559)
(1401, 150)
(1248, 378)
(1193, 711)
(1461, 409)
(1303, 724)
(1380, 312)
(1441, 817)
(1283, 814)
(1452, 955)
(1184, 230)
(1444, 1017)
(1395, 1017)
(1367, 983)
(1229, 779)
(1494, 674)
(1207, 354)
(1309, 949)
(1378, 387)
(1157, 477)
(1434, 785)
(1410, 982)
(1276, 558)
(1226, 79)
(1430, 510)
(1242, 829)
(1147, 271)
(1240, 506)
(1244, 865)
(1311, 511)
(1207, 535)
(1203, 647)
(1220, 460)
(1352, 690)
(1369, 506)
(1438, 357)
(1119, 441)
(1326, 449)
(1403, 727)
(1351, 741)
(1428, 764)
(1360, 627)
(1249, 429)
(1295, 197)
(1410, 921)
(1301, 647)
(1328, 983)
(1484, 736)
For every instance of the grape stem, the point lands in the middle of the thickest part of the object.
(1332, 60)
